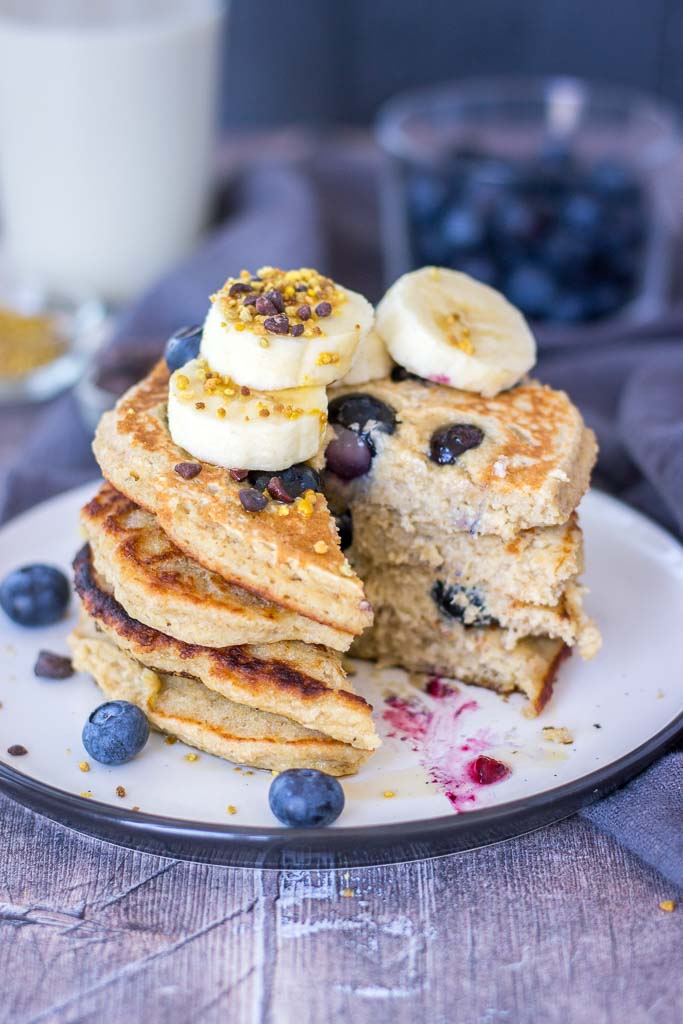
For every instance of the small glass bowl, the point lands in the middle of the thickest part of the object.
(65, 330)
(565, 195)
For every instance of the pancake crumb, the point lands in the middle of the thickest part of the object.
(191, 757)
(84, 766)
(231, 809)
(347, 893)
(557, 734)
(667, 905)
(120, 791)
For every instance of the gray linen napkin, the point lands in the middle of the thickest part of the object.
(320, 210)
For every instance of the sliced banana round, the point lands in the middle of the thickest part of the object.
(370, 362)
(219, 421)
(284, 329)
(446, 327)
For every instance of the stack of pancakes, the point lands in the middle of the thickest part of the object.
(472, 567)
(225, 626)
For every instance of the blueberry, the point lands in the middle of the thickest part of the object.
(604, 299)
(431, 246)
(345, 529)
(182, 346)
(427, 193)
(570, 308)
(463, 230)
(568, 257)
(614, 180)
(517, 220)
(448, 442)
(399, 373)
(115, 732)
(295, 480)
(348, 455)
(583, 214)
(305, 798)
(446, 598)
(532, 289)
(35, 595)
(364, 414)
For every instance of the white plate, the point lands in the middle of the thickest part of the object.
(620, 709)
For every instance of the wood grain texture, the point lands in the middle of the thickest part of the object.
(560, 926)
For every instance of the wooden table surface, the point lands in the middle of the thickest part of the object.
(558, 926)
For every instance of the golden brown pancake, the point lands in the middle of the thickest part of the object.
(160, 586)
(184, 708)
(292, 560)
(302, 682)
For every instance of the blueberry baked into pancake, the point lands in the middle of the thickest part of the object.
(301, 476)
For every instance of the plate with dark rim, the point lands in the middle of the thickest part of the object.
(418, 796)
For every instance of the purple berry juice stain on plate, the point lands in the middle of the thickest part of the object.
(455, 762)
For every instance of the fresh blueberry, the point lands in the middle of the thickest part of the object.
(115, 732)
(348, 455)
(363, 414)
(182, 346)
(532, 289)
(463, 230)
(446, 599)
(305, 798)
(295, 480)
(448, 442)
(35, 595)
(345, 529)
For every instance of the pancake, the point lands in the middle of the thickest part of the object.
(301, 682)
(440, 600)
(530, 470)
(534, 567)
(204, 719)
(291, 560)
(161, 587)
(402, 636)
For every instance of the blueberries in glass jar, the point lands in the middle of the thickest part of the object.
(532, 289)
(449, 442)
(182, 346)
(545, 230)
(463, 230)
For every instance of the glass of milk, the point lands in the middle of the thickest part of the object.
(107, 130)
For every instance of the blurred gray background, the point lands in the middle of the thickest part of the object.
(315, 61)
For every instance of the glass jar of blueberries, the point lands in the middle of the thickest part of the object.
(564, 195)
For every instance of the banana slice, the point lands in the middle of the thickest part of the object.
(284, 329)
(445, 326)
(228, 424)
(370, 362)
